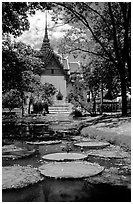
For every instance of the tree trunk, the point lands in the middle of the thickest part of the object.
(124, 98)
(29, 107)
(22, 108)
(22, 97)
(82, 106)
(101, 106)
(123, 93)
(94, 105)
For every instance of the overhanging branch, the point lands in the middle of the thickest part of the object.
(85, 22)
(95, 11)
(90, 52)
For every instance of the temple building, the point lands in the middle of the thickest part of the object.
(57, 71)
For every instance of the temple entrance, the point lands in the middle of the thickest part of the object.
(59, 96)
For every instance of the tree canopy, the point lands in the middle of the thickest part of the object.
(20, 71)
(19, 65)
(15, 16)
(108, 26)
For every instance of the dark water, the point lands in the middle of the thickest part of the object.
(52, 190)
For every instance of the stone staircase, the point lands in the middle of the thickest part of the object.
(65, 108)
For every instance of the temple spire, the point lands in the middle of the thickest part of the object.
(46, 32)
(46, 44)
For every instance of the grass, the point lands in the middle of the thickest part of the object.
(114, 130)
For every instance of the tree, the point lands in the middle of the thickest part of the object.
(114, 19)
(21, 70)
(40, 94)
(11, 99)
(76, 96)
(20, 65)
(101, 76)
(15, 15)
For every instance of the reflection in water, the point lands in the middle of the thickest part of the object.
(51, 190)
(66, 191)
(28, 194)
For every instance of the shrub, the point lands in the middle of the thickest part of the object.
(11, 99)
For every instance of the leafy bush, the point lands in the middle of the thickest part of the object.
(77, 113)
(11, 99)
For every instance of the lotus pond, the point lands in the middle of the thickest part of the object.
(31, 145)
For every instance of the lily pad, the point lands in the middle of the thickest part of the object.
(19, 176)
(14, 152)
(64, 156)
(92, 145)
(9, 148)
(45, 142)
(70, 169)
(39, 124)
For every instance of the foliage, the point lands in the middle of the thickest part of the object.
(20, 70)
(76, 92)
(11, 99)
(77, 113)
(19, 66)
(43, 92)
(77, 96)
(100, 73)
(109, 26)
(15, 15)
(11, 68)
(29, 57)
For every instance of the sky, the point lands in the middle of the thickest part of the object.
(34, 36)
